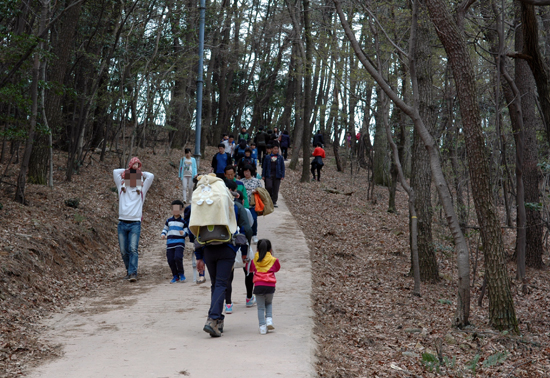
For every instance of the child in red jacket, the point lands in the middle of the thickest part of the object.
(264, 267)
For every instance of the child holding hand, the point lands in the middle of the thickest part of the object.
(264, 266)
(175, 232)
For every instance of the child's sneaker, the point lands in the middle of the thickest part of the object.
(201, 280)
(182, 278)
(269, 323)
(229, 308)
(251, 302)
(175, 279)
(263, 329)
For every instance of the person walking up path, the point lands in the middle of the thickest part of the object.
(156, 330)
(273, 172)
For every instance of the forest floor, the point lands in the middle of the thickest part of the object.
(367, 322)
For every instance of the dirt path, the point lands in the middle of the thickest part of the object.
(154, 329)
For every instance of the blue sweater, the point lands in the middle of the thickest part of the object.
(172, 229)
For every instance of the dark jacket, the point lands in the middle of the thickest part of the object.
(285, 141)
(279, 168)
(261, 139)
(215, 161)
(318, 138)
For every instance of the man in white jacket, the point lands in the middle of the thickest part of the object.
(130, 206)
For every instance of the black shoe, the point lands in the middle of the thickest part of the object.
(133, 277)
(127, 277)
(275, 205)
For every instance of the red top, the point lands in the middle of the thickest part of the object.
(318, 151)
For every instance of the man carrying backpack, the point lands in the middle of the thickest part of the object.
(214, 203)
(261, 142)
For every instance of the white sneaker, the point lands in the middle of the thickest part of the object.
(269, 323)
(263, 330)
(255, 239)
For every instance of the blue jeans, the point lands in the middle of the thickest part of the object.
(265, 307)
(128, 240)
(219, 260)
(255, 217)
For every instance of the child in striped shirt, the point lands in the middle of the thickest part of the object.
(175, 232)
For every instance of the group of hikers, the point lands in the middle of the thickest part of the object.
(219, 215)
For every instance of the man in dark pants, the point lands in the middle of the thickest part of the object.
(219, 260)
(273, 171)
(261, 142)
(220, 161)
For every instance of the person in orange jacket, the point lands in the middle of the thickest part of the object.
(317, 163)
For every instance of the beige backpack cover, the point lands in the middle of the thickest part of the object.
(212, 205)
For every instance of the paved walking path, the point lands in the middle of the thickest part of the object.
(154, 329)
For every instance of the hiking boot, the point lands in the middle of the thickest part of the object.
(220, 325)
(127, 277)
(133, 277)
(275, 205)
(263, 329)
(182, 278)
(201, 280)
(269, 323)
(174, 279)
(211, 327)
(251, 302)
(229, 308)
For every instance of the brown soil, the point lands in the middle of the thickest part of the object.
(369, 324)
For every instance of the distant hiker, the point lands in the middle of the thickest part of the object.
(240, 150)
(220, 161)
(245, 228)
(317, 163)
(243, 135)
(200, 279)
(130, 210)
(230, 175)
(273, 172)
(251, 183)
(187, 171)
(348, 142)
(213, 216)
(285, 144)
(247, 159)
(229, 145)
(264, 266)
(261, 141)
(175, 231)
(276, 134)
(132, 176)
(269, 149)
(254, 150)
(318, 139)
(358, 135)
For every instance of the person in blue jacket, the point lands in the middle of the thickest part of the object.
(273, 171)
(187, 171)
(285, 144)
(220, 161)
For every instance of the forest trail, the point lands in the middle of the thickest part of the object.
(154, 329)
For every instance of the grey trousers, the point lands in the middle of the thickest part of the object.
(265, 308)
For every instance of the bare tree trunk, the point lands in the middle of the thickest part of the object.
(22, 178)
(501, 305)
(421, 176)
(307, 92)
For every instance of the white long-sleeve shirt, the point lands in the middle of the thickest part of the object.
(130, 203)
